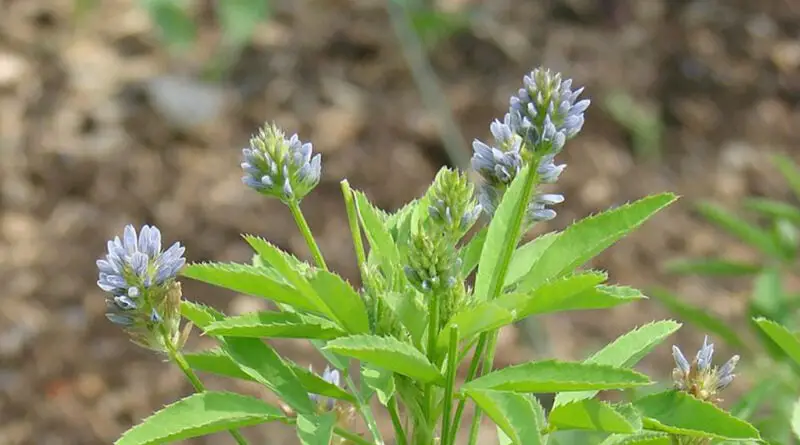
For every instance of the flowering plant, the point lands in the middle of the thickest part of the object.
(400, 338)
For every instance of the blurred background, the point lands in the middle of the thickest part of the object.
(126, 111)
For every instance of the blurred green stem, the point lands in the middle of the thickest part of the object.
(431, 92)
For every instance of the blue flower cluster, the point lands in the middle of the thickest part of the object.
(698, 377)
(542, 116)
(133, 266)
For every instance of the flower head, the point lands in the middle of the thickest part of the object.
(140, 280)
(281, 167)
(451, 203)
(546, 111)
(699, 378)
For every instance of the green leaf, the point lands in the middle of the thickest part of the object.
(796, 419)
(790, 172)
(471, 253)
(785, 339)
(239, 18)
(595, 415)
(773, 209)
(741, 229)
(485, 316)
(526, 256)
(316, 430)
(626, 351)
(380, 240)
(712, 267)
(586, 238)
(676, 412)
(379, 381)
(698, 317)
(554, 376)
(643, 438)
(411, 313)
(176, 27)
(513, 413)
(388, 353)
(283, 267)
(249, 280)
(315, 384)
(215, 361)
(502, 237)
(199, 314)
(198, 415)
(342, 301)
(270, 324)
(557, 295)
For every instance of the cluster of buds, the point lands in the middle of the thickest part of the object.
(699, 378)
(451, 203)
(143, 295)
(542, 116)
(280, 167)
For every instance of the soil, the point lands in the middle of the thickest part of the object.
(100, 126)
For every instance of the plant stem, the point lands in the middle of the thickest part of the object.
(351, 436)
(452, 367)
(473, 369)
(302, 224)
(180, 360)
(305, 230)
(517, 222)
(433, 334)
(363, 408)
(400, 435)
(355, 231)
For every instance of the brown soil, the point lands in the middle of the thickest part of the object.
(87, 148)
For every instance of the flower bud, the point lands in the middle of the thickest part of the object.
(280, 167)
(699, 378)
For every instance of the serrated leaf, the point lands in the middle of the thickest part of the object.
(483, 317)
(698, 317)
(595, 415)
(712, 267)
(380, 240)
(553, 296)
(249, 280)
(262, 363)
(199, 314)
(643, 438)
(411, 313)
(342, 301)
(586, 238)
(316, 430)
(626, 351)
(526, 256)
(790, 172)
(502, 237)
(388, 353)
(471, 253)
(796, 419)
(199, 415)
(768, 296)
(513, 413)
(378, 381)
(741, 229)
(555, 376)
(785, 339)
(270, 324)
(283, 266)
(239, 18)
(676, 412)
(215, 361)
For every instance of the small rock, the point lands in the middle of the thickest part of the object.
(336, 128)
(186, 102)
(786, 55)
(13, 69)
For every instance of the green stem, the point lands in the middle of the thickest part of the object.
(339, 431)
(355, 231)
(433, 334)
(180, 360)
(517, 221)
(452, 367)
(363, 408)
(473, 369)
(302, 224)
(399, 433)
